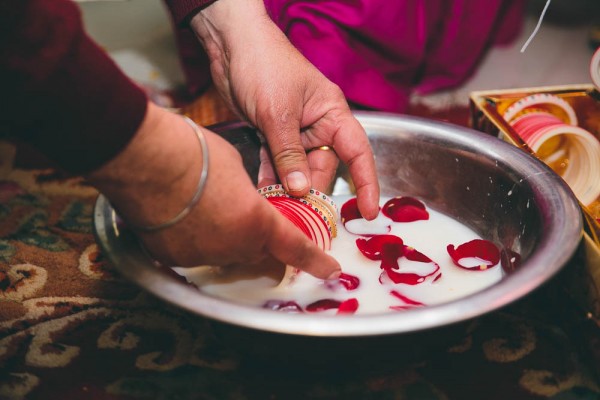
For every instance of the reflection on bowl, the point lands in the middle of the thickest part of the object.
(499, 191)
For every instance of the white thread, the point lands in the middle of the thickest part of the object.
(537, 27)
(595, 69)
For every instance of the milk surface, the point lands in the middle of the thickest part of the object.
(430, 237)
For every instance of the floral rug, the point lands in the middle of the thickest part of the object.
(71, 328)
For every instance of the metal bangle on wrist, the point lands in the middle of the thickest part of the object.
(197, 194)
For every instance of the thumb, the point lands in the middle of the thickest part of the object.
(289, 157)
(289, 245)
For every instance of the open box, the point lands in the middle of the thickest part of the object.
(487, 109)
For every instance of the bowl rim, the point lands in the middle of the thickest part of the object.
(562, 213)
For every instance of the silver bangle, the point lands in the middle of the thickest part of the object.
(201, 184)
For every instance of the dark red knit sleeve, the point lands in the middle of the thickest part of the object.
(183, 10)
(63, 94)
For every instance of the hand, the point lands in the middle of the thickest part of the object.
(269, 83)
(157, 174)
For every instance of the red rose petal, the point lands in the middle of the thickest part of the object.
(347, 281)
(401, 308)
(358, 225)
(323, 305)
(373, 248)
(349, 211)
(378, 226)
(350, 282)
(401, 277)
(483, 252)
(411, 254)
(388, 249)
(348, 306)
(282, 305)
(405, 299)
(405, 209)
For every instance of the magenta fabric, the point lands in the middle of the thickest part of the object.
(379, 51)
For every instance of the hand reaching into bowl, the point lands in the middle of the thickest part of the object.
(157, 174)
(269, 83)
(90, 118)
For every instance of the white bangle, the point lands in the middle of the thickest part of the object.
(201, 184)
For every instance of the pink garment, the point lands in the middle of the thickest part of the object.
(381, 51)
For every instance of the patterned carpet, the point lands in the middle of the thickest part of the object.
(71, 328)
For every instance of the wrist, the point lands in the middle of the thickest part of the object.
(227, 23)
(155, 176)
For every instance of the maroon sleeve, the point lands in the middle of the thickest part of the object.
(63, 94)
(194, 61)
(183, 10)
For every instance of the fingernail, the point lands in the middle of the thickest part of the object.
(296, 181)
(335, 275)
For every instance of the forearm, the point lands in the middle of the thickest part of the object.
(225, 23)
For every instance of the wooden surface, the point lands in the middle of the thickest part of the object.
(209, 109)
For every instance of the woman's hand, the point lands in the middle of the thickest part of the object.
(154, 178)
(262, 76)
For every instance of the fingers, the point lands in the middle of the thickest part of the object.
(352, 147)
(323, 166)
(287, 153)
(289, 245)
(266, 171)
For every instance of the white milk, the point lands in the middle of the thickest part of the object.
(430, 237)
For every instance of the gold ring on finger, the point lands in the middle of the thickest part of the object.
(324, 148)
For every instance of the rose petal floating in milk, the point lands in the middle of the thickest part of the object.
(348, 306)
(405, 299)
(423, 268)
(360, 226)
(323, 305)
(405, 209)
(346, 281)
(349, 211)
(406, 278)
(381, 248)
(411, 260)
(477, 254)
(281, 305)
(390, 249)
(356, 224)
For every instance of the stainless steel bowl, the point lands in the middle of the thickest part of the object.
(501, 192)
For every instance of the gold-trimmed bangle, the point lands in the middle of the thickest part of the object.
(200, 188)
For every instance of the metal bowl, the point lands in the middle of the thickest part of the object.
(501, 192)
